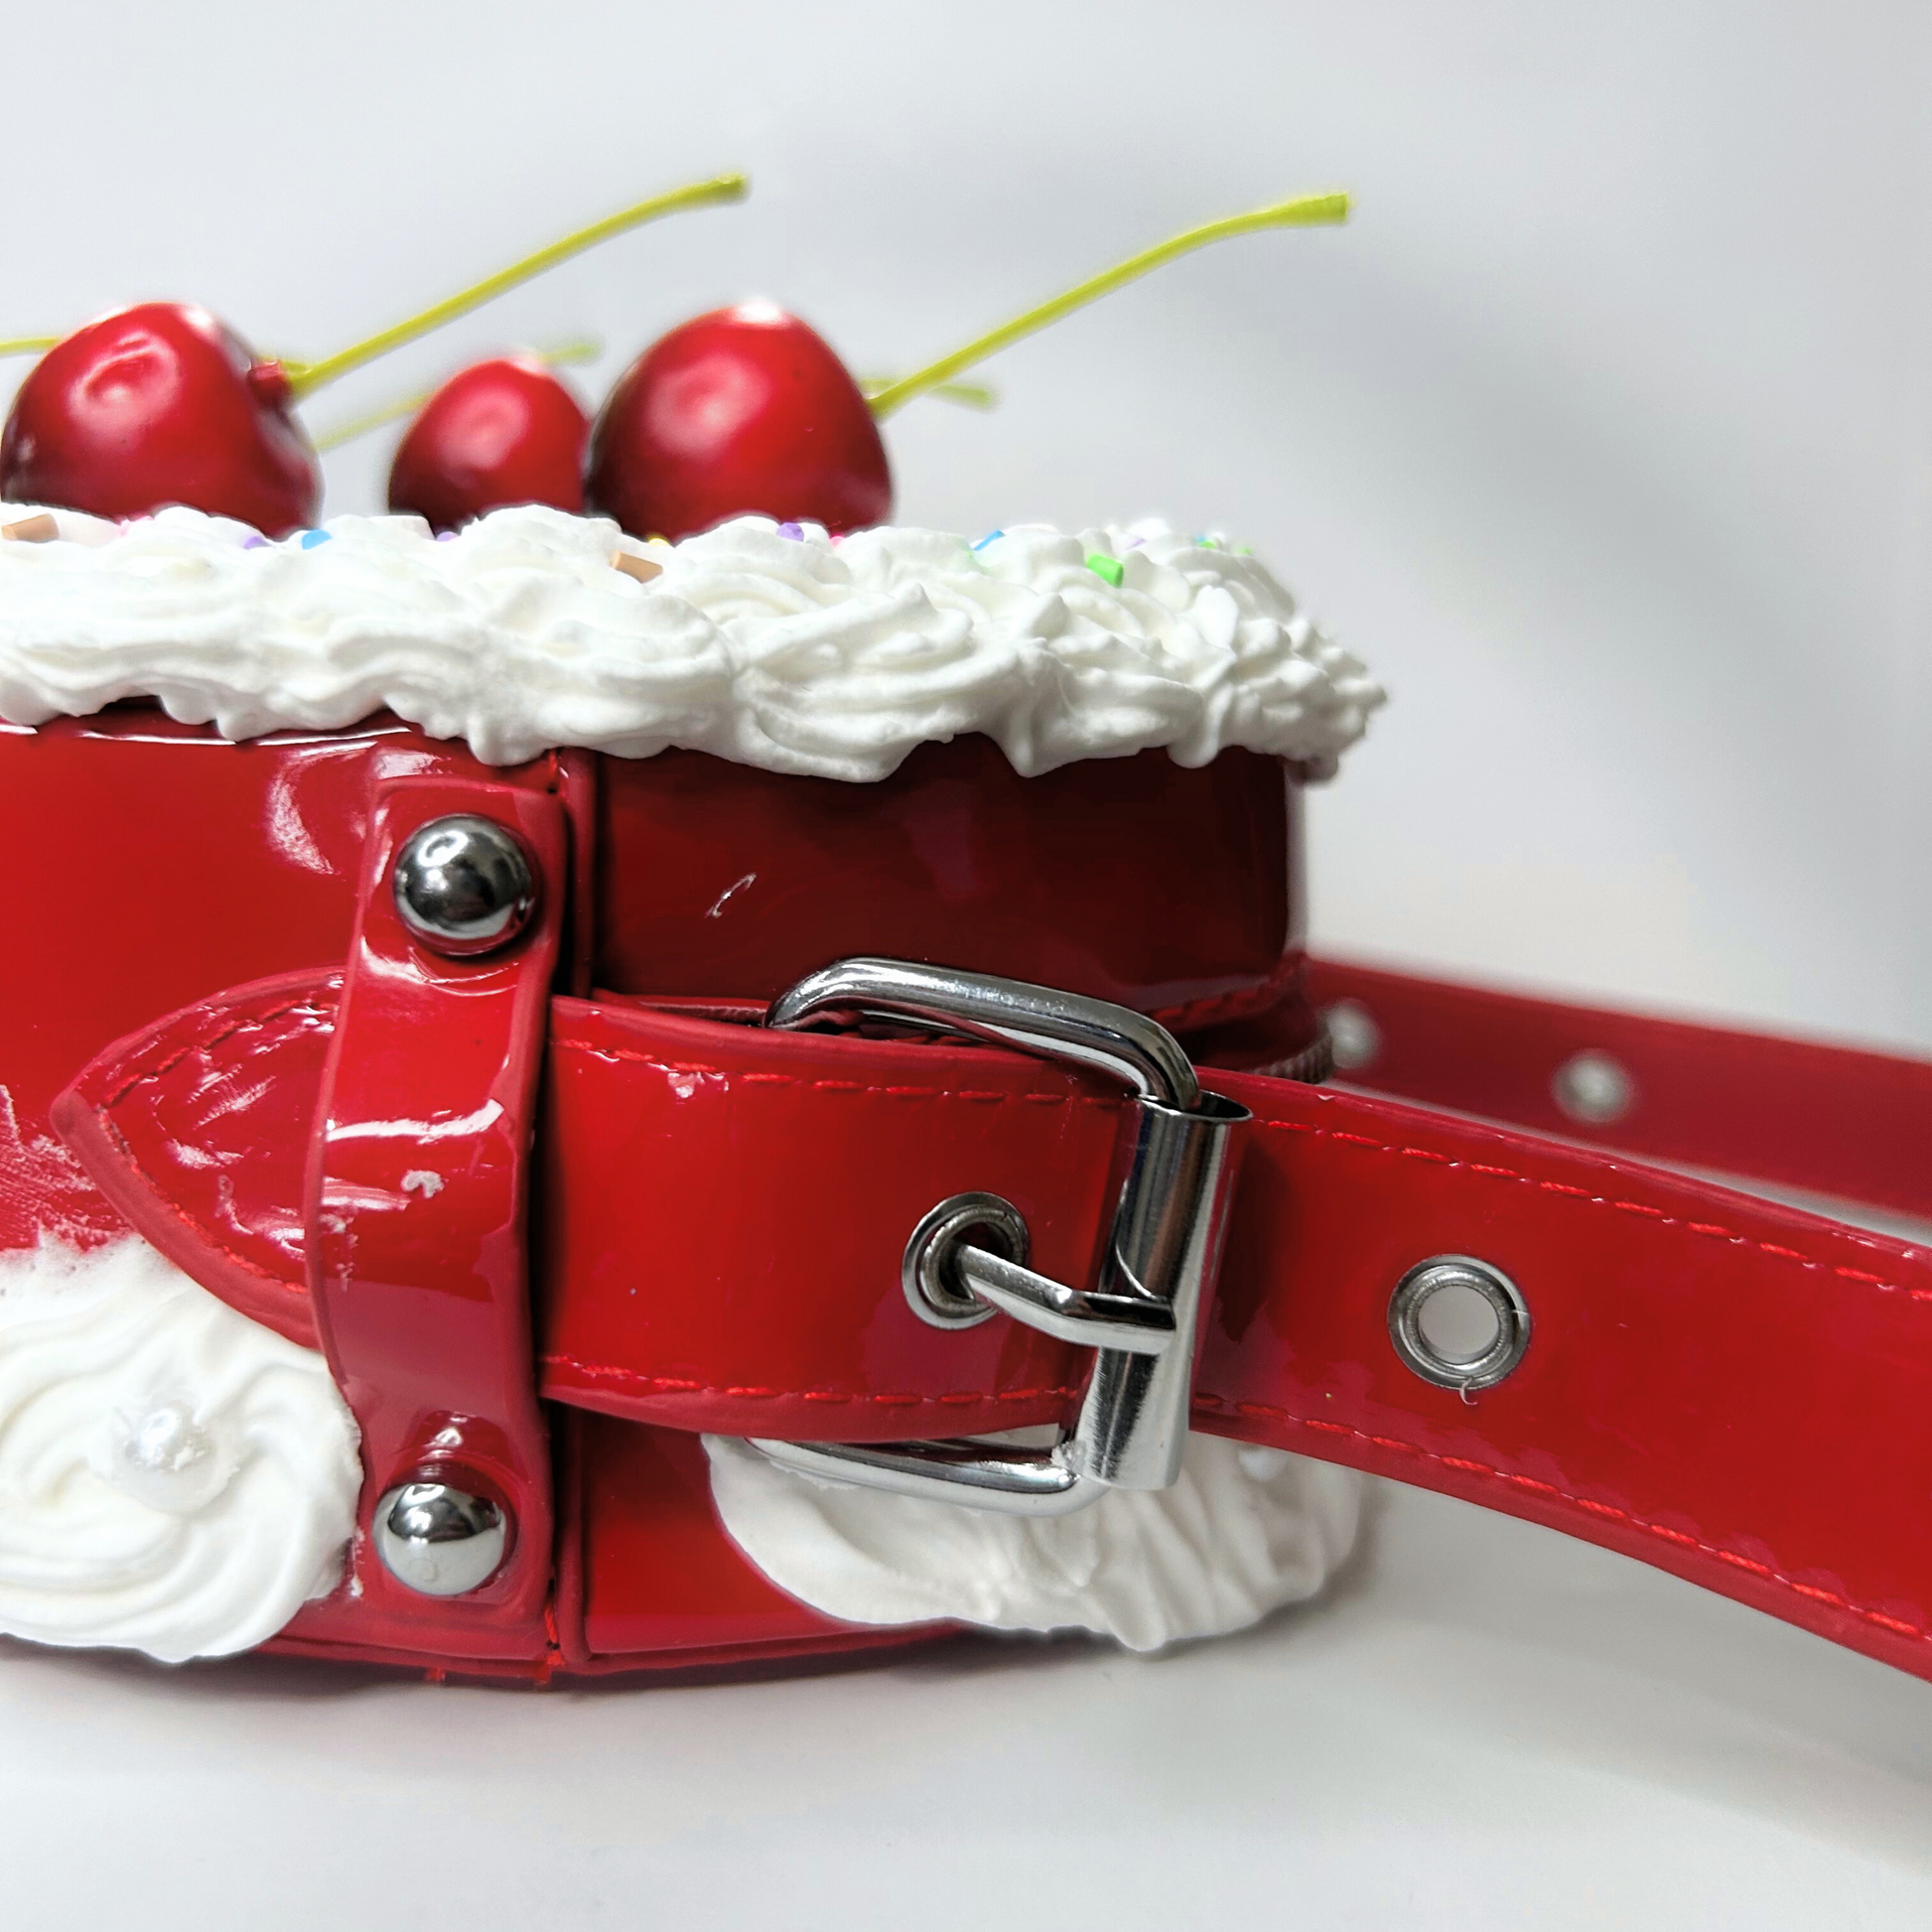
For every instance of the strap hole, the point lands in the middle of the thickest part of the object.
(1458, 1322)
(1353, 1034)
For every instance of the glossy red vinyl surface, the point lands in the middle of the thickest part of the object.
(417, 1198)
(655, 1574)
(727, 1208)
(1721, 1386)
(1798, 1113)
(174, 874)
(197, 1130)
(165, 865)
(1134, 879)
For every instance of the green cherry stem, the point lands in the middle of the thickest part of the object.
(27, 345)
(307, 377)
(563, 355)
(1303, 211)
(968, 395)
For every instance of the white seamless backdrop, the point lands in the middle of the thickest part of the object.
(1602, 432)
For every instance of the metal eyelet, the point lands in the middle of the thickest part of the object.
(1429, 1357)
(930, 1270)
(1157, 1266)
(1594, 1087)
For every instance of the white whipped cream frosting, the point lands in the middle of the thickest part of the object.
(173, 1478)
(178, 1479)
(1244, 1531)
(798, 655)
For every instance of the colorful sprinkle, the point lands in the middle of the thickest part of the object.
(1209, 543)
(992, 536)
(795, 531)
(312, 538)
(1244, 550)
(1110, 568)
(642, 568)
(446, 536)
(254, 543)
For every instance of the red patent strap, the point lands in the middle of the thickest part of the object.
(1717, 1385)
(1830, 1119)
(730, 1207)
(1727, 1388)
(416, 1199)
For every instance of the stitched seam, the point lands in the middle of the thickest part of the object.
(204, 1044)
(197, 1228)
(1240, 1002)
(676, 1385)
(1549, 1490)
(1711, 1230)
(974, 1096)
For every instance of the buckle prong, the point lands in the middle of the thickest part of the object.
(1157, 1266)
(1135, 1323)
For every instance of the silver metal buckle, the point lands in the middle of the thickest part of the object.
(1157, 1268)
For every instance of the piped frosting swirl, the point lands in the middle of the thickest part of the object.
(793, 653)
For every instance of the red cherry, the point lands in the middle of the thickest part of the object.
(159, 404)
(507, 431)
(745, 409)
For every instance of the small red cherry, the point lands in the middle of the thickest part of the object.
(507, 431)
(159, 404)
(743, 410)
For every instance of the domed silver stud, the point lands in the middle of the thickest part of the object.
(438, 1540)
(464, 885)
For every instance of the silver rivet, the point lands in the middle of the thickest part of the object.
(464, 885)
(1458, 1322)
(1593, 1088)
(1353, 1035)
(438, 1540)
(932, 1285)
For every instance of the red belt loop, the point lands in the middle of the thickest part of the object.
(417, 1200)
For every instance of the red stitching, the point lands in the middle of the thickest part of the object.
(676, 1385)
(206, 1042)
(1240, 1002)
(1709, 1230)
(978, 1096)
(197, 1229)
(1484, 1469)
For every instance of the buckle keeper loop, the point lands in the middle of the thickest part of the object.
(1158, 1266)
